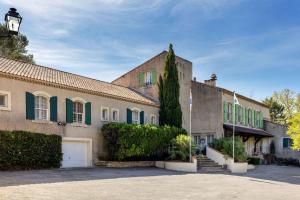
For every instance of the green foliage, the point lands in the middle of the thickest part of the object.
(25, 150)
(14, 47)
(294, 131)
(138, 142)
(225, 145)
(169, 93)
(180, 149)
(276, 110)
(254, 160)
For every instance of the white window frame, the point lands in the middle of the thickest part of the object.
(80, 100)
(138, 120)
(7, 99)
(118, 115)
(104, 108)
(148, 78)
(155, 118)
(47, 96)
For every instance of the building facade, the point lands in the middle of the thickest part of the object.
(44, 100)
(144, 79)
(212, 117)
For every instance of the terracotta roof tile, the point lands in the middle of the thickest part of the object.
(50, 76)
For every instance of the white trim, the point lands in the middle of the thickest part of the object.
(42, 93)
(102, 119)
(8, 100)
(112, 110)
(89, 141)
(137, 110)
(47, 96)
(79, 99)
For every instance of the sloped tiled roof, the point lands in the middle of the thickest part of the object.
(52, 77)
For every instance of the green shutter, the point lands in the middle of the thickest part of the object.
(243, 115)
(246, 117)
(29, 106)
(236, 113)
(69, 111)
(53, 109)
(129, 116)
(225, 109)
(285, 142)
(142, 117)
(253, 118)
(261, 120)
(88, 113)
(154, 77)
(141, 79)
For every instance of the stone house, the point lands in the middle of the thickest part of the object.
(212, 117)
(41, 99)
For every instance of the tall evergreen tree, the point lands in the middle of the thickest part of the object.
(14, 47)
(161, 101)
(169, 93)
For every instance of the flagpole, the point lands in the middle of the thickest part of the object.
(233, 126)
(190, 126)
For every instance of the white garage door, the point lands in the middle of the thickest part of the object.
(74, 154)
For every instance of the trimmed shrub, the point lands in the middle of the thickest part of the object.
(225, 145)
(254, 160)
(180, 149)
(126, 142)
(25, 150)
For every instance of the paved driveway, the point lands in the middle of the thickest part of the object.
(267, 182)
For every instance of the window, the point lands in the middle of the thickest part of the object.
(153, 119)
(104, 114)
(286, 143)
(115, 115)
(229, 112)
(5, 99)
(41, 107)
(77, 112)
(148, 78)
(135, 117)
(210, 138)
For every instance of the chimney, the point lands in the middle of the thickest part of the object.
(212, 81)
(195, 79)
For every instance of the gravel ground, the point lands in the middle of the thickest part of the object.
(266, 182)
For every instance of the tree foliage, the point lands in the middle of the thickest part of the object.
(180, 148)
(169, 93)
(14, 47)
(276, 110)
(294, 131)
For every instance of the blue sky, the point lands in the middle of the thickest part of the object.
(252, 46)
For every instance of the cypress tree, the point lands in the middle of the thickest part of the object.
(169, 93)
(161, 101)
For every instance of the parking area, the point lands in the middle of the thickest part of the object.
(266, 182)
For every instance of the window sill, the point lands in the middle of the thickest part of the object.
(42, 121)
(117, 121)
(103, 120)
(79, 125)
(5, 109)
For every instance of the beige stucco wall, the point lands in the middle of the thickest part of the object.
(206, 110)
(185, 76)
(248, 104)
(16, 118)
(280, 132)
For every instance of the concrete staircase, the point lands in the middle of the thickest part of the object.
(206, 165)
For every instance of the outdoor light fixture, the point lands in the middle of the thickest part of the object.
(13, 21)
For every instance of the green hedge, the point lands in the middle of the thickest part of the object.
(224, 145)
(25, 150)
(138, 142)
(254, 160)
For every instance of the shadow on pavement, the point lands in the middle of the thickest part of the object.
(267, 173)
(14, 178)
